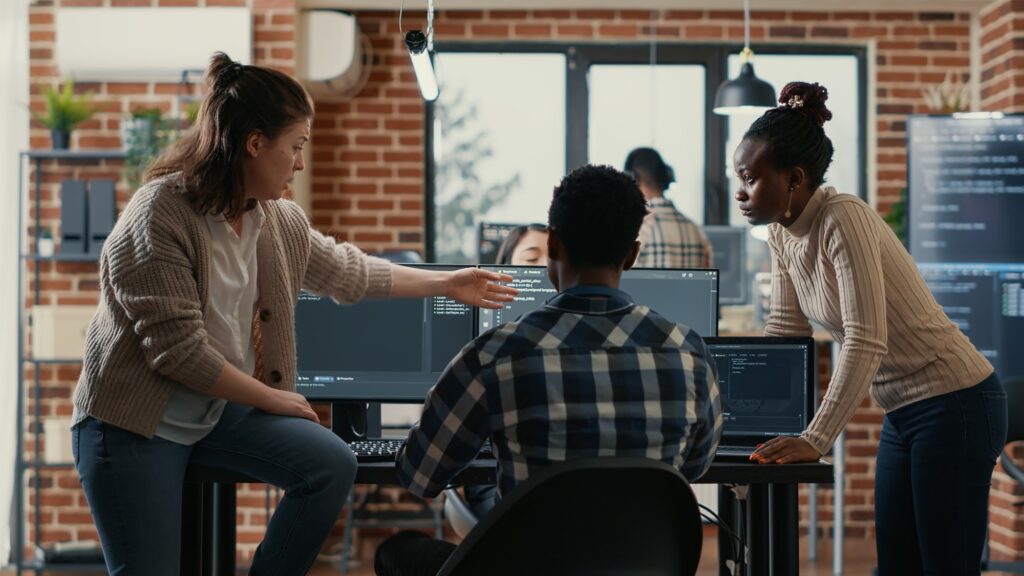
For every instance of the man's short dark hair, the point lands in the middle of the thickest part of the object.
(597, 211)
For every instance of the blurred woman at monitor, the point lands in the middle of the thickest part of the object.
(668, 239)
(835, 261)
(525, 245)
(190, 358)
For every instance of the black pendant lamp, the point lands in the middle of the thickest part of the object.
(745, 94)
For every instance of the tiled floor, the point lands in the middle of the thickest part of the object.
(859, 560)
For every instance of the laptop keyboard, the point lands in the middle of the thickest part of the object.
(734, 452)
(385, 449)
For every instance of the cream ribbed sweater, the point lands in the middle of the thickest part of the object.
(148, 336)
(840, 265)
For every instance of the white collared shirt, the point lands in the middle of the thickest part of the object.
(190, 415)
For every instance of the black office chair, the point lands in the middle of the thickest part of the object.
(573, 519)
(1014, 433)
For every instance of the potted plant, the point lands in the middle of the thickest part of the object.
(64, 111)
(144, 136)
(44, 246)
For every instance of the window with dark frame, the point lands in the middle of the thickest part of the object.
(478, 121)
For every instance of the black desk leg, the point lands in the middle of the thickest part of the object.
(192, 529)
(727, 512)
(785, 526)
(758, 524)
(209, 535)
(223, 532)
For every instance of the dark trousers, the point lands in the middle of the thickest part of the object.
(134, 486)
(416, 554)
(932, 481)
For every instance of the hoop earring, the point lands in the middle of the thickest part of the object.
(789, 212)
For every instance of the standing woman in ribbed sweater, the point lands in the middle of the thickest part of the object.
(835, 261)
(206, 250)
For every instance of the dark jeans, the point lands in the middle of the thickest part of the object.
(416, 554)
(481, 498)
(932, 481)
(134, 487)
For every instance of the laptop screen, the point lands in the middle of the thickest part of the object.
(767, 385)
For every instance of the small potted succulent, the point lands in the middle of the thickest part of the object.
(44, 245)
(64, 111)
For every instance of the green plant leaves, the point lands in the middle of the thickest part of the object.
(64, 108)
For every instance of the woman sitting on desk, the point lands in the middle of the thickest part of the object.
(834, 260)
(205, 251)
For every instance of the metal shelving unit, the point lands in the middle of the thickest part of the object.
(35, 464)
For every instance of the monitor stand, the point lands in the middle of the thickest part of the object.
(353, 421)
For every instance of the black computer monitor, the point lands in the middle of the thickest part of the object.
(767, 385)
(729, 247)
(386, 350)
(686, 296)
(489, 236)
(965, 192)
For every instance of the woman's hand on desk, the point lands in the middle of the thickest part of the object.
(285, 403)
(785, 450)
(478, 287)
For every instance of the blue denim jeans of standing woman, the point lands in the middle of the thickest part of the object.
(134, 487)
(932, 480)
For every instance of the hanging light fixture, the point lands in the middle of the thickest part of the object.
(420, 46)
(745, 94)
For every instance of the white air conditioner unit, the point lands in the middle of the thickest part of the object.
(148, 44)
(331, 53)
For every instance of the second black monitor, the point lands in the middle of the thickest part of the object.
(685, 296)
(729, 254)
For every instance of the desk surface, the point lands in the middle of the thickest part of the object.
(721, 472)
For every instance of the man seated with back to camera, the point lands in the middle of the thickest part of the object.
(573, 379)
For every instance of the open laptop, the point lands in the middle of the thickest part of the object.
(768, 387)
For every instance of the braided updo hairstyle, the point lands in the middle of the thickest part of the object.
(793, 132)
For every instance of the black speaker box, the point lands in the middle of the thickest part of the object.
(72, 217)
(101, 214)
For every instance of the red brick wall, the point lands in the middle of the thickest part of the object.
(367, 168)
(368, 175)
(1002, 56)
(1002, 89)
(63, 510)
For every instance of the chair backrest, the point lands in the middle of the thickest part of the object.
(1014, 405)
(606, 516)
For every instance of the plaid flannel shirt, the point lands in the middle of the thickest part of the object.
(579, 377)
(670, 240)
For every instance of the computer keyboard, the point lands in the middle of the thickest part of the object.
(385, 449)
(377, 449)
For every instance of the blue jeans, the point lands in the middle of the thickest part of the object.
(932, 480)
(134, 487)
